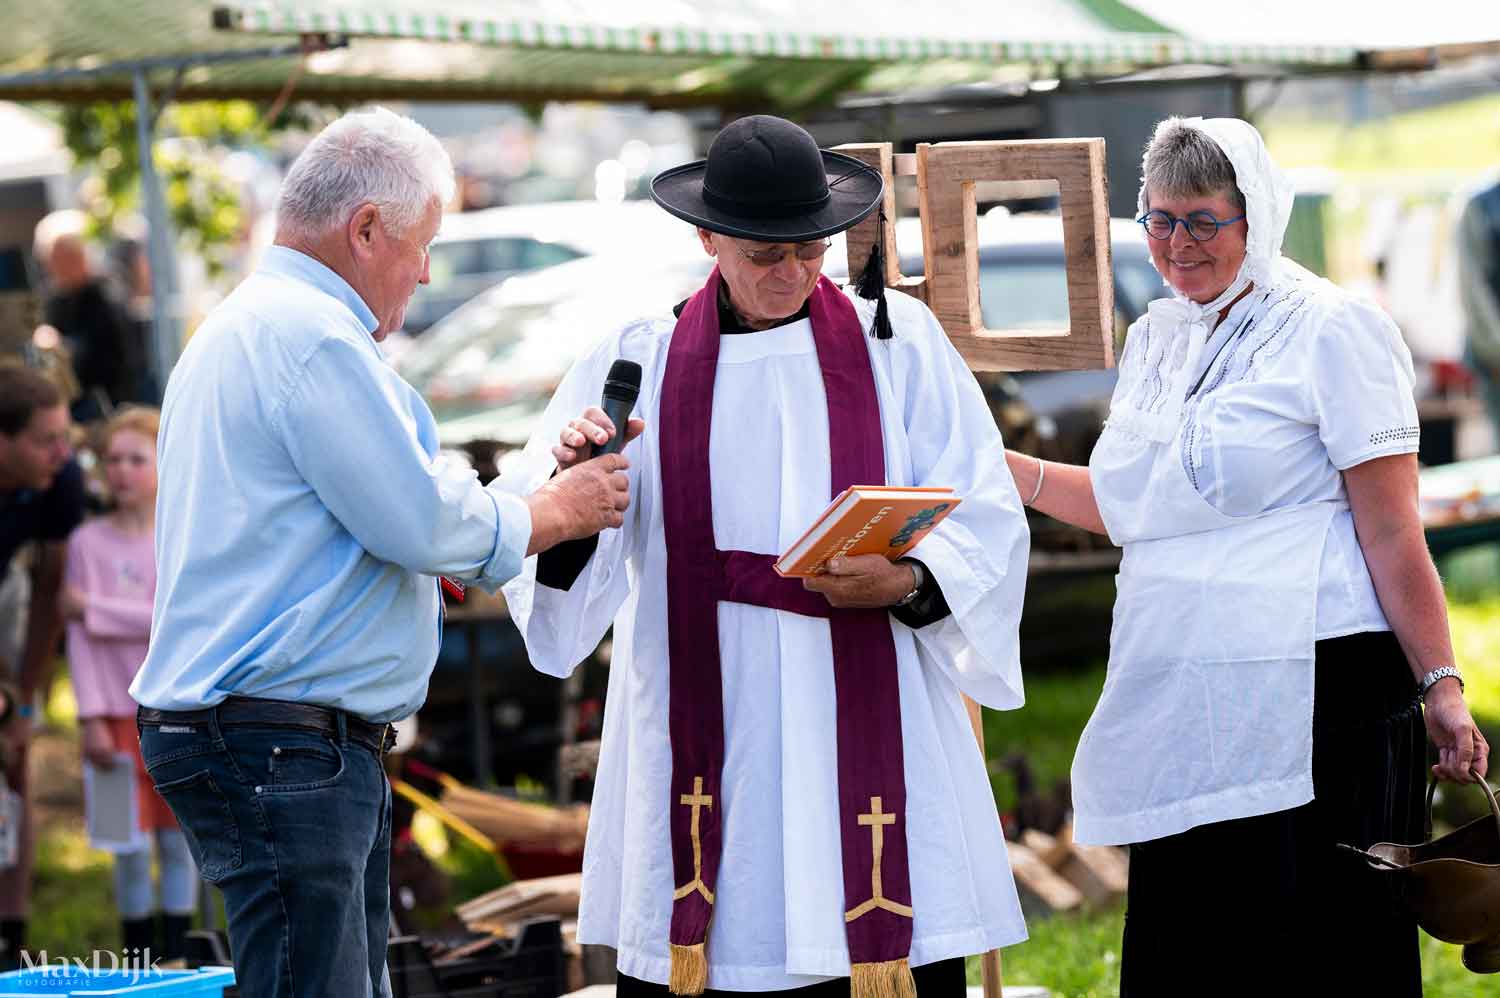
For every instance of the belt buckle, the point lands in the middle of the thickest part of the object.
(387, 737)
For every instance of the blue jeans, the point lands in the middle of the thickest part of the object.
(294, 827)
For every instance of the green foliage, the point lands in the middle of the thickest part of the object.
(202, 201)
(1045, 731)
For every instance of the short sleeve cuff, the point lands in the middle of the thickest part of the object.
(512, 537)
(1399, 440)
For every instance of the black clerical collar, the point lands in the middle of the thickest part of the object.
(729, 320)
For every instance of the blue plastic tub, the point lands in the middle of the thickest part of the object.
(62, 980)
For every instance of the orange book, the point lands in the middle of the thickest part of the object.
(868, 519)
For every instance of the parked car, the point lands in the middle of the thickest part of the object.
(476, 250)
(489, 369)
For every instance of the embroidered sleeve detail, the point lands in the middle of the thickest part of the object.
(1399, 433)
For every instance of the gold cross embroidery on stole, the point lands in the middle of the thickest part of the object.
(695, 800)
(877, 820)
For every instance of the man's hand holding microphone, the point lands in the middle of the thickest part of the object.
(590, 490)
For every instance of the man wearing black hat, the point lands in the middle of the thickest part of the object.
(789, 793)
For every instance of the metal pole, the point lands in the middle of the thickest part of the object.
(165, 305)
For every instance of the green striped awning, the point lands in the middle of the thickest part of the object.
(478, 23)
(728, 54)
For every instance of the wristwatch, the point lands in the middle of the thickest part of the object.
(1431, 679)
(918, 575)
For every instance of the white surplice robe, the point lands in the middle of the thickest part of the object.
(778, 921)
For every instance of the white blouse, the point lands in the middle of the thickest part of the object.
(1300, 381)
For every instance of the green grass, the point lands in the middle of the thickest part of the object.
(1078, 956)
(1073, 956)
(72, 896)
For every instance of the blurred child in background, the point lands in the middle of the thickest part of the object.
(108, 590)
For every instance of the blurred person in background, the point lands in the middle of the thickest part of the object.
(108, 355)
(41, 502)
(1479, 293)
(1280, 633)
(131, 264)
(304, 517)
(107, 595)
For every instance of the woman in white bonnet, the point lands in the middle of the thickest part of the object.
(1279, 623)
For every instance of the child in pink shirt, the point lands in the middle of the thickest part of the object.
(108, 590)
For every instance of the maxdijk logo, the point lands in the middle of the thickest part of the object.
(135, 962)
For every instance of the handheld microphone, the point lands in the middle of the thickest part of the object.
(621, 388)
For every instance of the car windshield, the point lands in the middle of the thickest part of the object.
(1024, 294)
(458, 258)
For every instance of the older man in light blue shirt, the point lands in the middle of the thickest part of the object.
(303, 519)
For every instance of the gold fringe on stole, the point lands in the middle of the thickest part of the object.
(891, 979)
(689, 975)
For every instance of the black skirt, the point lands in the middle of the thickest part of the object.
(943, 979)
(1269, 904)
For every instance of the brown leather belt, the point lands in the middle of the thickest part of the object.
(244, 711)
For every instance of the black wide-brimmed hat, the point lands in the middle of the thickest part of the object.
(766, 179)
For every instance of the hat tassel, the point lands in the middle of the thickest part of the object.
(689, 973)
(888, 979)
(871, 284)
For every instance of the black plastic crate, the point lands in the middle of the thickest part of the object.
(529, 966)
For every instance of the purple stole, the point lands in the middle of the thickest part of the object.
(871, 773)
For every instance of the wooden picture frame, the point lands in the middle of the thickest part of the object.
(946, 173)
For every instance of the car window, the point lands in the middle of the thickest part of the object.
(451, 260)
(535, 254)
(458, 258)
(1136, 284)
(502, 255)
(1023, 294)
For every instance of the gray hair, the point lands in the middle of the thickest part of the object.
(1182, 162)
(58, 226)
(374, 157)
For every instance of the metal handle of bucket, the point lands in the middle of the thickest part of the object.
(1488, 793)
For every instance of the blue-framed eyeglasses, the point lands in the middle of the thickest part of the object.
(1201, 225)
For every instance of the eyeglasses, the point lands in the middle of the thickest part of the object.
(772, 255)
(1201, 225)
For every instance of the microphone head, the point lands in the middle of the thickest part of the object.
(624, 381)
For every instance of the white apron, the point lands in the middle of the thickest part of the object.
(1206, 713)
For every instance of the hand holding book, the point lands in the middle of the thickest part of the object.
(864, 581)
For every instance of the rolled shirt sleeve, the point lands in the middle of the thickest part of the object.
(367, 445)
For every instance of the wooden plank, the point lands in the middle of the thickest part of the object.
(1041, 881)
(1111, 865)
(989, 974)
(989, 960)
(543, 895)
(859, 241)
(1049, 850)
(1099, 872)
(946, 176)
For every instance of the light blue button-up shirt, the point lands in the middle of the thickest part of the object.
(304, 513)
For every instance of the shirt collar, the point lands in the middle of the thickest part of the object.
(299, 266)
